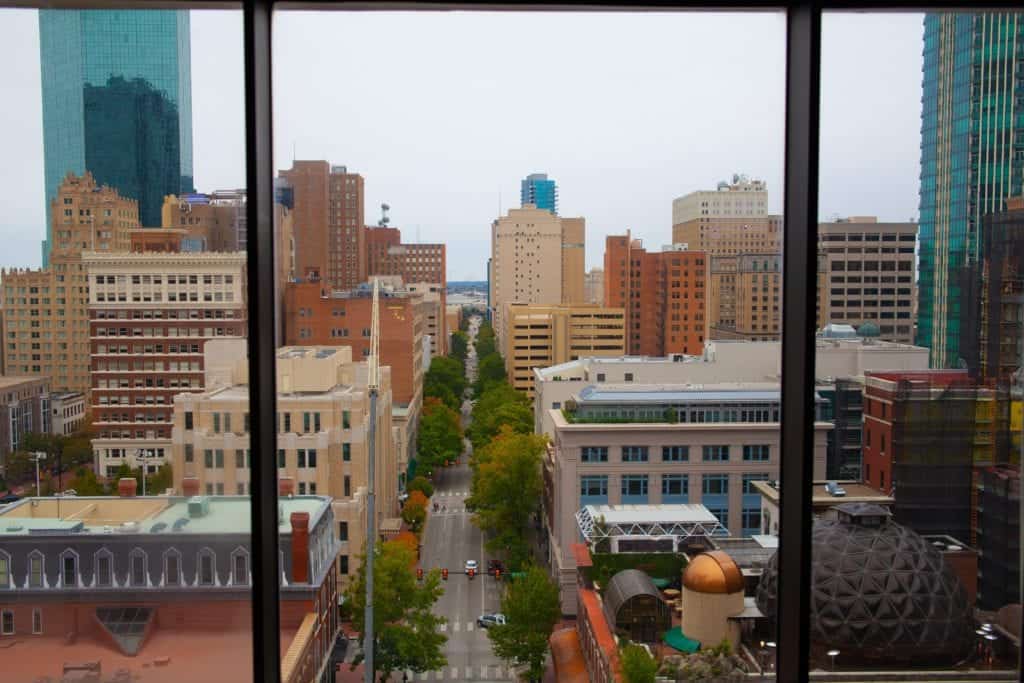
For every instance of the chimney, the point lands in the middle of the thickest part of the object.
(285, 487)
(126, 487)
(300, 547)
(190, 486)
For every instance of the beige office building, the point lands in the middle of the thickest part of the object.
(45, 321)
(732, 219)
(540, 336)
(593, 286)
(870, 278)
(435, 319)
(536, 258)
(323, 405)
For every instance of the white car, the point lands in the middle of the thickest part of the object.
(488, 620)
(472, 564)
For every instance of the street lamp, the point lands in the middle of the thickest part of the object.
(38, 456)
(140, 457)
(771, 647)
(833, 654)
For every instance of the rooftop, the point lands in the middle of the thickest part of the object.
(637, 514)
(14, 380)
(856, 492)
(145, 515)
(655, 393)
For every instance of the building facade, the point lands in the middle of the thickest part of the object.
(662, 293)
(969, 166)
(117, 85)
(328, 219)
(45, 322)
(744, 301)
(542, 336)
(730, 220)
(101, 578)
(213, 222)
(621, 445)
(24, 408)
(150, 317)
(593, 286)
(539, 190)
(323, 412)
(531, 249)
(869, 268)
(67, 412)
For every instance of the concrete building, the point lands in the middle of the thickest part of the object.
(593, 286)
(870, 275)
(150, 316)
(323, 407)
(730, 220)
(541, 336)
(452, 318)
(68, 412)
(328, 217)
(45, 324)
(124, 581)
(539, 190)
(825, 495)
(622, 445)
(536, 258)
(24, 408)
(663, 294)
(744, 300)
(722, 361)
(213, 222)
(435, 319)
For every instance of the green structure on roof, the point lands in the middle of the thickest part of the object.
(674, 638)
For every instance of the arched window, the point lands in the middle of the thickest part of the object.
(137, 562)
(206, 568)
(172, 567)
(69, 568)
(239, 567)
(5, 569)
(103, 568)
(36, 569)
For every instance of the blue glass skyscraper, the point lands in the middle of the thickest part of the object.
(536, 189)
(117, 101)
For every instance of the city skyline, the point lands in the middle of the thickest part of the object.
(872, 171)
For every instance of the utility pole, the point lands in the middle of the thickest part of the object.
(373, 385)
(38, 456)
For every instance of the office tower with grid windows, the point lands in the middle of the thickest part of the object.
(539, 190)
(117, 102)
(972, 157)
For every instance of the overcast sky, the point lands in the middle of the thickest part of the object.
(444, 113)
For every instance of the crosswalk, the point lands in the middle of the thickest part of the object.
(480, 673)
(451, 494)
(457, 626)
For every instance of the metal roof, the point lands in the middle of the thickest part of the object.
(653, 394)
(624, 586)
(638, 514)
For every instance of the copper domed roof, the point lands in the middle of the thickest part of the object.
(713, 572)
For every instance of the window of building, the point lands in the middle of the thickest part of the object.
(675, 453)
(346, 419)
(715, 453)
(342, 531)
(749, 479)
(206, 567)
(594, 454)
(756, 452)
(343, 564)
(172, 568)
(594, 486)
(675, 488)
(7, 622)
(69, 569)
(104, 568)
(716, 484)
(634, 454)
(346, 452)
(37, 621)
(35, 569)
(634, 486)
(137, 567)
(240, 568)
(5, 570)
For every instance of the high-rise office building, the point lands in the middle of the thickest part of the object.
(539, 190)
(117, 102)
(729, 220)
(971, 130)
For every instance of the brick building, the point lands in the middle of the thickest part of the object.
(24, 408)
(729, 220)
(150, 316)
(105, 579)
(328, 218)
(663, 294)
(744, 300)
(45, 324)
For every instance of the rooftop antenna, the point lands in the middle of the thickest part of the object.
(384, 220)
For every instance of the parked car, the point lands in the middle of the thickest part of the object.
(9, 498)
(488, 620)
(494, 566)
(472, 564)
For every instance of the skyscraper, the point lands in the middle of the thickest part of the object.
(117, 102)
(538, 190)
(971, 134)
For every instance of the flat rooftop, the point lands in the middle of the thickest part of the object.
(145, 515)
(655, 393)
(856, 492)
(686, 513)
(14, 380)
(307, 351)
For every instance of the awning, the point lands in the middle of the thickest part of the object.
(661, 583)
(674, 638)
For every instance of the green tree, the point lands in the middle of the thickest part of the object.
(637, 665)
(445, 380)
(459, 346)
(421, 484)
(406, 633)
(19, 468)
(414, 514)
(85, 483)
(440, 434)
(491, 370)
(506, 490)
(159, 482)
(532, 609)
(498, 406)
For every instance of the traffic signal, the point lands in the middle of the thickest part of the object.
(472, 572)
(419, 573)
(444, 574)
(497, 575)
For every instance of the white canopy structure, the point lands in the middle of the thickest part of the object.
(647, 522)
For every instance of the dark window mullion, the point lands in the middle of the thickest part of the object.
(800, 253)
(260, 286)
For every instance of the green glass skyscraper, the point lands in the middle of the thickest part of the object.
(972, 157)
(117, 101)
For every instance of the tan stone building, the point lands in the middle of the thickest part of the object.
(536, 258)
(213, 222)
(45, 325)
(746, 293)
(323, 408)
(869, 268)
(150, 316)
(593, 286)
(542, 336)
(435, 320)
(732, 219)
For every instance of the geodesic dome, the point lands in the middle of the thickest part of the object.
(878, 591)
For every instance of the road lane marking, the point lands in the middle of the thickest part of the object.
(455, 672)
(469, 626)
(455, 628)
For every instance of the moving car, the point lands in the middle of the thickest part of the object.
(472, 564)
(495, 565)
(488, 620)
